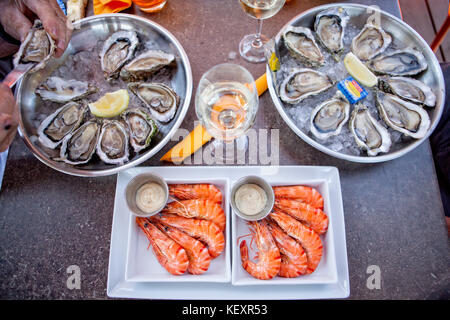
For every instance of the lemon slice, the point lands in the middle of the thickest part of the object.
(111, 104)
(359, 71)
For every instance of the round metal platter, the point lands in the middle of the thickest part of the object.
(404, 36)
(87, 33)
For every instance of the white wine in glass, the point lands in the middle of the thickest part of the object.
(251, 46)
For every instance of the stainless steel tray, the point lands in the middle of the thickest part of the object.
(404, 35)
(87, 33)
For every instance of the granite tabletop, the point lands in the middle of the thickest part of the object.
(394, 217)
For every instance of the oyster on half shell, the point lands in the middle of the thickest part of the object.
(161, 100)
(79, 146)
(145, 64)
(371, 41)
(406, 62)
(368, 133)
(328, 118)
(117, 50)
(112, 145)
(409, 89)
(301, 44)
(403, 116)
(141, 128)
(302, 83)
(330, 28)
(36, 49)
(61, 90)
(63, 121)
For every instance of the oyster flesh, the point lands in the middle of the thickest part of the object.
(161, 101)
(117, 50)
(301, 44)
(36, 49)
(60, 90)
(403, 116)
(79, 146)
(406, 62)
(112, 146)
(369, 134)
(330, 27)
(302, 83)
(328, 118)
(409, 89)
(145, 64)
(63, 121)
(141, 128)
(371, 41)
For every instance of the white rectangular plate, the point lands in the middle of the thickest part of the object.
(320, 288)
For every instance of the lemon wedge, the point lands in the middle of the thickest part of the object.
(359, 71)
(111, 104)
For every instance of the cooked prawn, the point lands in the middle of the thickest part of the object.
(269, 259)
(302, 193)
(196, 191)
(307, 237)
(169, 253)
(198, 208)
(293, 257)
(314, 218)
(199, 258)
(204, 230)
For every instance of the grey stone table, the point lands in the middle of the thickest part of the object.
(393, 211)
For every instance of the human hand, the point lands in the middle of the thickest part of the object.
(17, 16)
(8, 117)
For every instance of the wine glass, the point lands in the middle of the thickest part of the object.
(226, 102)
(251, 46)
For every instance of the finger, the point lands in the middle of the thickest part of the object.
(15, 22)
(7, 101)
(8, 139)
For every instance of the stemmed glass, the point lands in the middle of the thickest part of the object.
(251, 46)
(226, 102)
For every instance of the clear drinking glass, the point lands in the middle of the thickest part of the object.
(226, 102)
(251, 46)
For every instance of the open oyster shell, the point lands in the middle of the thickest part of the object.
(403, 116)
(328, 118)
(409, 89)
(330, 28)
(112, 145)
(60, 90)
(141, 128)
(161, 100)
(146, 64)
(369, 134)
(79, 146)
(117, 50)
(405, 62)
(63, 121)
(301, 44)
(302, 83)
(371, 41)
(36, 49)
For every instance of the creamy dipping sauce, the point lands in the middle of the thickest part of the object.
(150, 197)
(250, 199)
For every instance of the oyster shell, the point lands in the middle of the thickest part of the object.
(63, 121)
(36, 49)
(117, 50)
(302, 83)
(112, 145)
(369, 134)
(60, 90)
(328, 118)
(141, 128)
(403, 116)
(406, 62)
(330, 28)
(371, 41)
(79, 146)
(301, 44)
(409, 89)
(145, 64)
(161, 101)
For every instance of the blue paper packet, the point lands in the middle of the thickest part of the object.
(62, 6)
(352, 90)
